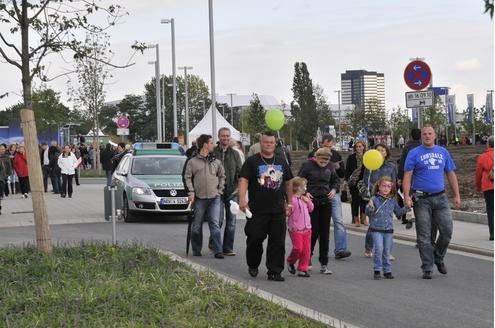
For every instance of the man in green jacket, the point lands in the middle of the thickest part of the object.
(231, 162)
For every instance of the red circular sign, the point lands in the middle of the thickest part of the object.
(123, 122)
(417, 75)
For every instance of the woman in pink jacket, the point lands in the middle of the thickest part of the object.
(21, 168)
(299, 225)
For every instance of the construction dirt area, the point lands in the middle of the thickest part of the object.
(464, 156)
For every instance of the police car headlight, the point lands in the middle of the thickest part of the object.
(141, 191)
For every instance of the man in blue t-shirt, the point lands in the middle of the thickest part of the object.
(424, 167)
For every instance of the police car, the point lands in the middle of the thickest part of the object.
(149, 180)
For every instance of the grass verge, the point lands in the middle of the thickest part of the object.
(97, 285)
(92, 174)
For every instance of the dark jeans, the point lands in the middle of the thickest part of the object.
(46, 173)
(320, 226)
(489, 209)
(66, 184)
(357, 204)
(76, 176)
(257, 229)
(56, 184)
(24, 184)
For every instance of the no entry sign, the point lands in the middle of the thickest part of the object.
(123, 122)
(417, 75)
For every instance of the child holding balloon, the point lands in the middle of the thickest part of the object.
(380, 209)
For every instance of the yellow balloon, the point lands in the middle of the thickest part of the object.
(372, 159)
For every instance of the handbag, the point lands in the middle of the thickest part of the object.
(364, 192)
(344, 191)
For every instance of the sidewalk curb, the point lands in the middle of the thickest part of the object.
(289, 305)
(457, 247)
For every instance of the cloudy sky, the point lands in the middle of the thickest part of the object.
(257, 43)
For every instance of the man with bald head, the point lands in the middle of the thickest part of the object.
(424, 190)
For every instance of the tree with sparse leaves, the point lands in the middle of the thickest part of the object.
(254, 117)
(303, 110)
(57, 25)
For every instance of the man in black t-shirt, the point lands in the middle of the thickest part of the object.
(266, 177)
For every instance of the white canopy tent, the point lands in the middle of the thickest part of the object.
(205, 127)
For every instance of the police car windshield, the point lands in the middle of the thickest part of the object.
(157, 165)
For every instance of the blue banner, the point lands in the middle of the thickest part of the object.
(451, 109)
(441, 91)
(470, 102)
(414, 115)
(489, 109)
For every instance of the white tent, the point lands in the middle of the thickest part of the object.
(205, 126)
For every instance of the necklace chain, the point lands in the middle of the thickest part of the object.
(263, 159)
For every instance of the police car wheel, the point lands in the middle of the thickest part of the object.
(128, 215)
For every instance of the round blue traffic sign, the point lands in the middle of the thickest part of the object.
(417, 75)
(123, 122)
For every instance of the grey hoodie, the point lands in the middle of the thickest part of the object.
(204, 177)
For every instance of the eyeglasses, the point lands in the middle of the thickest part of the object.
(386, 185)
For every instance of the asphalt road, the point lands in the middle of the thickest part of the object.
(462, 298)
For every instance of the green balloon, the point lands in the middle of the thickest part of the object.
(274, 119)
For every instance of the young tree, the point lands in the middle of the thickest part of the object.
(322, 109)
(254, 117)
(399, 123)
(56, 24)
(304, 112)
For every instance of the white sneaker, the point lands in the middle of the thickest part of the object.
(324, 270)
(25, 196)
(368, 254)
(391, 257)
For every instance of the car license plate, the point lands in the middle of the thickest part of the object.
(170, 200)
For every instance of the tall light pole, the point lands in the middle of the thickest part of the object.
(163, 105)
(172, 31)
(185, 68)
(212, 70)
(340, 130)
(231, 108)
(159, 136)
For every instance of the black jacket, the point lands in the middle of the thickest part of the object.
(351, 166)
(321, 180)
(231, 162)
(106, 159)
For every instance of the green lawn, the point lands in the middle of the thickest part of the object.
(97, 285)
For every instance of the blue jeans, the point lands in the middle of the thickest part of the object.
(339, 232)
(108, 174)
(368, 241)
(434, 210)
(383, 247)
(209, 208)
(229, 232)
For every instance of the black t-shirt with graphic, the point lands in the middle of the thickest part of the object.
(266, 183)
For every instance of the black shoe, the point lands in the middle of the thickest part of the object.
(491, 237)
(219, 256)
(427, 275)
(70, 196)
(409, 224)
(62, 195)
(275, 277)
(441, 268)
(197, 254)
(388, 275)
(343, 254)
(291, 268)
(253, 272)
(210, 246)
(377, 275)
(304, 274)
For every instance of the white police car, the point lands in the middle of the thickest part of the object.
(149, 180)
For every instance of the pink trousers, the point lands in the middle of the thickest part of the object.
(301, 249)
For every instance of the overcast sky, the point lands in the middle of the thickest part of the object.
(257, 43)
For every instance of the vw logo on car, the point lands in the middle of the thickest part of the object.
(173, 192)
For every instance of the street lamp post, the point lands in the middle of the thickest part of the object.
(185, 68)
(340, 129)
(231, 109)
(172, 31)
(157, 93)
(212, 69)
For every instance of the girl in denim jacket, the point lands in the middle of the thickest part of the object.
(299, 225)
(380, 210)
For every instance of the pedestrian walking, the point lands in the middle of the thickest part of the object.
(267, 177)
(77, 169)
(354, 172)
(484, 181)
(299, 226)
(339, 231)
(106, 162)
(13, 178)
(45, 164)
(21, 168)
(424, 189)
(55, 175)
(205, 179)
(67, 162)
(7, 166)
(381, 209)
(231, 162)
(387, 169)
(323, 185)
(401, 143)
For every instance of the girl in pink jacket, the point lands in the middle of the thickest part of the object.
(299, 226)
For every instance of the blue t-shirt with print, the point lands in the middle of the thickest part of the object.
(429, 165)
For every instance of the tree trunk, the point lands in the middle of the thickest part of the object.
(42, 229)
(43, 235)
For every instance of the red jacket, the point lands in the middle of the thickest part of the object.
(20, 165)
(484, 164)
